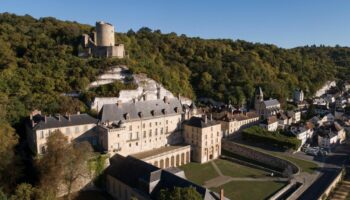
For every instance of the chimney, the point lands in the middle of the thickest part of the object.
(45, 119)
(69, 117)
(211, 117)
(204, 118)
(222, 197)
(59, 117)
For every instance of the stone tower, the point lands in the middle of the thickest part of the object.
(259, 98)
(104, 34)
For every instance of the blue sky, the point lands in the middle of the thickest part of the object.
(285, 23)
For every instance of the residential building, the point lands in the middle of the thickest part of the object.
(77, 127)
(270, 124)
(204, 136)
(298, 96)
(303, 132)
(330, 134)
(232, 123)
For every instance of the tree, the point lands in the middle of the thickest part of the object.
(179, 193)
(63, 164)
(24, 191)
(76, 164)
(10, 168)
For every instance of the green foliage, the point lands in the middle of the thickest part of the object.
(97, 166)
(38, 63)
(178, 193)
(10, 168)
(258, 134)
(112, 89)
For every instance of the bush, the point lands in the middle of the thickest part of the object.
(259, 134)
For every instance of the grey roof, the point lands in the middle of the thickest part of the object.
(62, 121)
(271, 102)
(130, 170)
(139, 175)
(136, 110)
(200, 123)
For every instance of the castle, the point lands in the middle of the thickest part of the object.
(101, 43)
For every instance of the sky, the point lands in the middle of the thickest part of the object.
(285, 23)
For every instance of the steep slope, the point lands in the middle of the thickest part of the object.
(38, 62)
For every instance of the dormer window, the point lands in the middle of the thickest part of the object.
(176, 109)
(164, 111)
(153, 112)
(140, 114)
(127, 116)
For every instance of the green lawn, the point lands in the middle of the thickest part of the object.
(199, 173)
(248, 190)
(233, 169)
(304, 165)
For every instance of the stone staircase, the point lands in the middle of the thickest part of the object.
(342, 191)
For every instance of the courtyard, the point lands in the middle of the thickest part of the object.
(238, 181)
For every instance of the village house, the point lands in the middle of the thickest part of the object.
(330, 134)
(232, 123)
(270, 124)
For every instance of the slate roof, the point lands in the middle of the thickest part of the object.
(129, 170)
(136, 110)
(138, 175)
(271, 102)
(62, 121)
(200, 123)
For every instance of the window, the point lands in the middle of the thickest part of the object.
(166, 129)
(143, 125)
(130, 128)
(67, 131)
(166, 122)
(156, 123)
(144, 134)
(130, 136)
(156, 132)
(41, 134)
(161, 130)
(137, 144)
(150, 133)
(150, 124)
(129, 144)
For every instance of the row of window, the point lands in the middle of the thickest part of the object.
(67, 131)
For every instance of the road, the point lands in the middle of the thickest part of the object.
(331, 167)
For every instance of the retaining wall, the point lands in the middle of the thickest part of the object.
(264, 158)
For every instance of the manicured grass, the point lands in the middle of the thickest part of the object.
(199, 173)
(249, 190)
(233, 169)
(304, 165)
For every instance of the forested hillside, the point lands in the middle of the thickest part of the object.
(38, 62)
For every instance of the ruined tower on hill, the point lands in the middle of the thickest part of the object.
(101, 43)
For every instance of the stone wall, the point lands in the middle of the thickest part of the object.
(264, 158)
